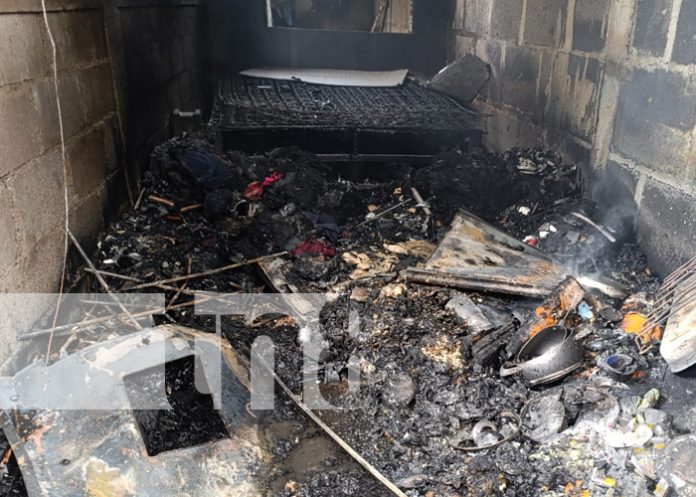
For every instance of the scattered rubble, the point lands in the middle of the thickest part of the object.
(433, 413)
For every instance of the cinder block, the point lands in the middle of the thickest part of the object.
(525, 76)
(8, 237)
(98, 92)
(545, 22)
(478, 17)
(665, 97)
(654, 120)
(79, 37)
(40, 266)
(87, 216)
(37, 193)
(186, 88)
(19, 312)
(162, 68)
(463, 45)
(24, 52)
(459, 14)
(87, 161)
(80, 92)
(651, 25)
(491, 52)
(19, 127)
(654, 145)
(192, 17)
(170, 24)
(590, 25)
(685, 41)
(574, 97)
(190, 50)
(45, 103)
(505, 130)
(176, 57)
(506, 17)
(181, 21)
(72, 101)
(666, 230)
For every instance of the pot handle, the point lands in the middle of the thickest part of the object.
(508, 369)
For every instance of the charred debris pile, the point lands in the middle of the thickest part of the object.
(519, 375)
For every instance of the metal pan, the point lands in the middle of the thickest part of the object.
(548, 356)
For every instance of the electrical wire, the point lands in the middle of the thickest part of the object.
(66, 196)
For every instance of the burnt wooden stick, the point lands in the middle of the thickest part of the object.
(161, 287)
(140, 199)
(161, 200)
(190, 208)
(205, 274)
(68, 329)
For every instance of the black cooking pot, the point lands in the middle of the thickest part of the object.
(548, 356)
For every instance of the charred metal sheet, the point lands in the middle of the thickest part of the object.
(89, 443)
(477, 256)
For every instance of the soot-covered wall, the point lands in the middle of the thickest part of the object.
(611, 84)
(123, 66)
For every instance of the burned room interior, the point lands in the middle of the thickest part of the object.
(322, 248)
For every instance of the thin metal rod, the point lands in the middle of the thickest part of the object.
(599, 228)
(336, 438)
(383, 213)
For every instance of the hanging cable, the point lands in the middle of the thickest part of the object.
(66, 196)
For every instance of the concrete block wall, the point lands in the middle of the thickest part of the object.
(611, 85)
(31, 171)
(113, 76)
(163, 63)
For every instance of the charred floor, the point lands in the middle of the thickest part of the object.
(437, 252)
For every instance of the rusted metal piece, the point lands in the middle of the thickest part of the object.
(555, 308)
(678, 346)
(475, 255)
(69, 448)
(676, 301)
